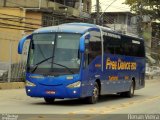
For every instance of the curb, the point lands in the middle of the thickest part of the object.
(12, 85)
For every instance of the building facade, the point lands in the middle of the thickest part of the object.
(155, 44)
(20, 17)
(121, 21)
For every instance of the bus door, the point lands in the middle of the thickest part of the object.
(93, 59)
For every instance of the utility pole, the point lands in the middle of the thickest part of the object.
(5, 2)
(140, 7)
(80, 7)
(64, 2)
(97, 10)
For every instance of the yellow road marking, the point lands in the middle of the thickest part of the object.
(109, 109)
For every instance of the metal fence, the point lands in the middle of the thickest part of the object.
(12, 65)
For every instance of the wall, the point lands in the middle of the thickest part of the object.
(14, 24)
(9, 36)
(35, 4)
(16, 28)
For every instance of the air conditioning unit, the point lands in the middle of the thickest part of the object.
(146, 18)
(134, 20)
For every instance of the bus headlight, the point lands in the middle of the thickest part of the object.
(30, 84)
(75, 85)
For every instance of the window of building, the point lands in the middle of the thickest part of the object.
(70, 3)
(88, 7)
(59, 1)
(47, 20)
(110, 19)
(50, 20)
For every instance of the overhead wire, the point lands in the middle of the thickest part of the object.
(15, 28)
(19, 21)
(2, 23)
(108, 7)
(20, 17)
(115, 6)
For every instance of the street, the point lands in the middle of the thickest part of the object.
(145, 101)
(85, 46)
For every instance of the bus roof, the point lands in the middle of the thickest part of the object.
(69, 28)
(78, 28)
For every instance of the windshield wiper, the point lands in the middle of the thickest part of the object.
(36, 66)
(64, 67)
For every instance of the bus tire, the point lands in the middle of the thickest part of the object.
(130, 93)
(49, 100)
(94, 98)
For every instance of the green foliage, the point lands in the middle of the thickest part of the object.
(149, 7)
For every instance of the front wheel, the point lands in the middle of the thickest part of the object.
(49, 100)
(95, 96)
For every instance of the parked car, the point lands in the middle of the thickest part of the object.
(149, 73)
(156, 69)
(3, 75)
(152, 71)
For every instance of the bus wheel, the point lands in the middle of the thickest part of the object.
(49, 100)
(130, 93)
(94, 98)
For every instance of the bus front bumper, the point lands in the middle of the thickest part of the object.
(60, 92)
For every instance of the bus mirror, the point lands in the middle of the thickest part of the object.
(21, 43)
(82, 42)
(87, 36)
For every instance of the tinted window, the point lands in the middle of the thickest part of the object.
(112, 45)
(138, 49)
(133, 47)
(125, 46)
(94, 45)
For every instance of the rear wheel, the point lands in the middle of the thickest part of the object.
(95, 96)
(49, 100)
(129, 93)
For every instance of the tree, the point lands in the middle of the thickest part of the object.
(150, 8)
(147, 7)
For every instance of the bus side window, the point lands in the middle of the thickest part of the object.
(127, 46)
(142, 49)
(112, 45)
(86, 54)
(127, 49)
(138, 50)
(132, 49)
(95, 48)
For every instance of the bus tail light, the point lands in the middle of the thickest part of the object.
(75, 85)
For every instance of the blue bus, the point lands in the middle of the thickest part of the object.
(81, 60)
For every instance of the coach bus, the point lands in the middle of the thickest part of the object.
(81, 60)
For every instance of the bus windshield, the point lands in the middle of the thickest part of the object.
(54, 54)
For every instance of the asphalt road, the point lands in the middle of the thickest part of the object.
(145, 101)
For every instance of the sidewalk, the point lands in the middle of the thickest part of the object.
(12, 85)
